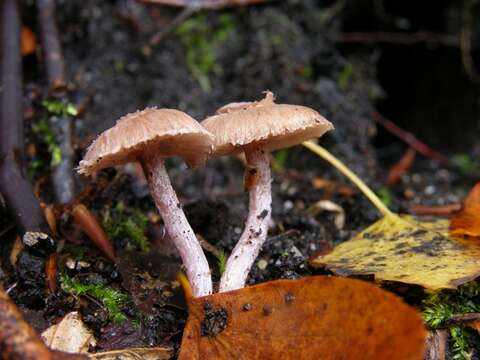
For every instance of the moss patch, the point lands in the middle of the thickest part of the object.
(110, 298)
(123, 224)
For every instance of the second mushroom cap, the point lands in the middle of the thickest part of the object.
(264, 123)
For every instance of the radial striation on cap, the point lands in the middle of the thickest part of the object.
(167, 132)
(264, 124)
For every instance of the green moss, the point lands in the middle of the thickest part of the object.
(45, 137)
(440, 306)
(127, 223)
(279, 160)
(201, 41)
(59, 107)
(41, 129)
(111, 299)
(464, 163)
(344, 77)
(221, 262)
(306, 72)
(460, 343)
(385, 195)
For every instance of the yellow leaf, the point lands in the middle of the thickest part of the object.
(407, 250)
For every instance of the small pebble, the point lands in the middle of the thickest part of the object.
(262, 264)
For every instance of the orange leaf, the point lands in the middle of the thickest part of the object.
(467, 221)
(401, 167)
(51, 273)
(28, 41)
(317, 317)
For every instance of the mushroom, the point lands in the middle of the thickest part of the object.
(150, 136)
(257, 128)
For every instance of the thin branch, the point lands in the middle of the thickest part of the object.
(52, 50)
(409, 138)
(466, 42)
(177, 20)
(397, 38)
(464, 318)
(207, 4)
(62, 176)
(15, 188)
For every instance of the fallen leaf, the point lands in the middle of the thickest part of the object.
(28, 41)
(330, 206)
(317, 317)
(51, 273)
(475, 325)
(69, 335)
(467, 222)
(407, 250)
(401, 167)
(435, 210)
(134, 354)
(90, 225)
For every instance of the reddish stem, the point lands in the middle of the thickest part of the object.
(410, 139)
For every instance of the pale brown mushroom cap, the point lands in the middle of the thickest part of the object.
(167, 132)
(264, 124)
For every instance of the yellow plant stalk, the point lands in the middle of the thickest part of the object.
(326, 155)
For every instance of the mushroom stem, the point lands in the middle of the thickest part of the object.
(260, 205)
(178, 228)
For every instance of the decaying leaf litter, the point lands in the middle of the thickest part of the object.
(296, 236)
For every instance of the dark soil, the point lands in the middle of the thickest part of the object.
(286, 47)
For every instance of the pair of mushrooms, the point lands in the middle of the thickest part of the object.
(255, 128)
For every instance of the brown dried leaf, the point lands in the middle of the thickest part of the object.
(90, 225)
(51, 273)
(401, 167)
(311, 318)
(28, 41)
(159, 353)
(69, 335)
(467, 222)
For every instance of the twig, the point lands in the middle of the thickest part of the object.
(464, 317)
(177, 20)
(466, 36)
(52, 50)
(397, 38)
(435, 210)
(409, 138)
(436, 344)
(207, 4)
(15, 188)
(62, 175)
